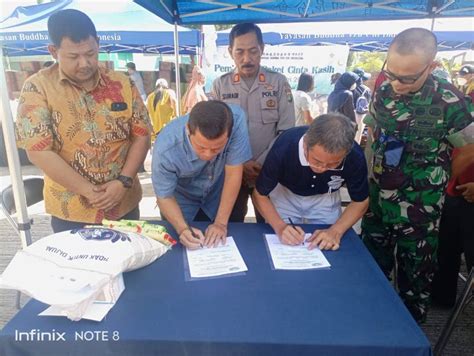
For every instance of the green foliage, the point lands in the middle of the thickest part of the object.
(450, 65)
(369, 61)
(193, 27)
(223, 27)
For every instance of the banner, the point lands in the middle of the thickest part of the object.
(291, 61)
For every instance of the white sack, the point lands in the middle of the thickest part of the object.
(71, 269)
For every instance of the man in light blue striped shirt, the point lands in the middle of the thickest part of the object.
(197, 169)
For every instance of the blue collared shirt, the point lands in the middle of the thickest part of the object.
(178, 172)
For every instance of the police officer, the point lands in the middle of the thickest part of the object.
(417, 118)
(264, 95)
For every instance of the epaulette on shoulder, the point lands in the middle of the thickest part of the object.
(278, 74)
(444, 87)
(226, 74)
(268, 70)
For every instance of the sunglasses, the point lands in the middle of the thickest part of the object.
(410, 79)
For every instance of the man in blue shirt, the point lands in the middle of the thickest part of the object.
(301, 177)
(197, 169)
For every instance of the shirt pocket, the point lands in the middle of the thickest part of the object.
(269, 110)
(187, 177)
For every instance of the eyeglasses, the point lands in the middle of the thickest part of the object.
(410, 79)
(317, 164)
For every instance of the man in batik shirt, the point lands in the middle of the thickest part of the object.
(85, 127)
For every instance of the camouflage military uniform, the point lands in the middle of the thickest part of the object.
(409, 173)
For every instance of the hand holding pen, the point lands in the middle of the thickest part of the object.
(292, 234)
(191, 238)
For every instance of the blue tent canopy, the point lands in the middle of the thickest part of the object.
(266, 11)
(128, 28)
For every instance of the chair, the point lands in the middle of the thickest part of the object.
(464, 299)
(33, 194)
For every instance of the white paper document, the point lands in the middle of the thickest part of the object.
(216, 261)
(294, 257)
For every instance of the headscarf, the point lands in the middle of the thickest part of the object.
(161, 106)
(341, 91)
(195, 92)
(160, 85)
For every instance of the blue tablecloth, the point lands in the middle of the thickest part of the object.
(349, 309)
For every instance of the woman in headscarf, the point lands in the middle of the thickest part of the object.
(341, 99)
(161, 105)
(195, 92)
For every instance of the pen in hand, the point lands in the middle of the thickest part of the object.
(193, 233)
(294, 227)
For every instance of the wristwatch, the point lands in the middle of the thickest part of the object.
(127, 182)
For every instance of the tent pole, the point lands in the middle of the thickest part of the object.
(177, 74)
(9, 63)
(14, 160)
(432, 24)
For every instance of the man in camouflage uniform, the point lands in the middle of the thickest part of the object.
(415, 117)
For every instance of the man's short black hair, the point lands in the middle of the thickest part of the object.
(212, 118)
(70, 23)
(131, 65)
(244, 28)
(305, 82)
(416, 40)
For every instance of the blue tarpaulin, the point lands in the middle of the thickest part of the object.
(447, 40)
(265, 11)
(127, 27)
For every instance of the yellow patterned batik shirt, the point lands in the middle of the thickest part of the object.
(85, 131)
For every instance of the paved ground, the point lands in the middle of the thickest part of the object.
(461, 342)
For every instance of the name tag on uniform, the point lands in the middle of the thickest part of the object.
(230, 96)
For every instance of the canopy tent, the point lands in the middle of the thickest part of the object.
(267, 11)
(374, 36)
(128, 28)
(259, 11)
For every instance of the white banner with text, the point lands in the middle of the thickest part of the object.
(291, 61)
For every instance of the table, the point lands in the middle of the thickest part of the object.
(349, 309)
